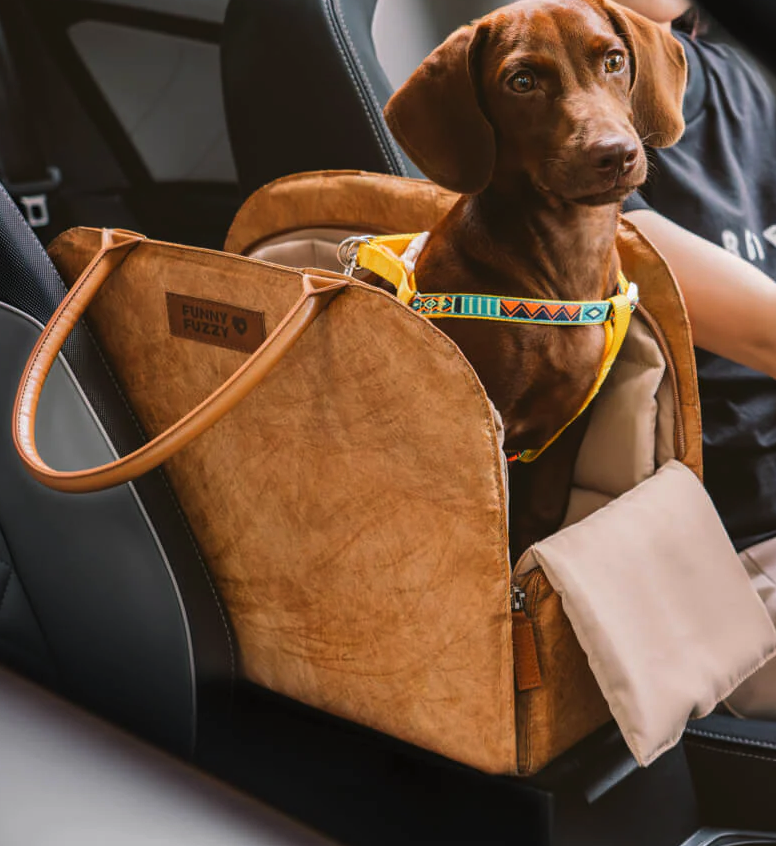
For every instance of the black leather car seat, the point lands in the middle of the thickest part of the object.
(304, 87)
(304, 90)
(103, 597)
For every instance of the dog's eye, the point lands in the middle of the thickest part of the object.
(523, 81)
(614, 62)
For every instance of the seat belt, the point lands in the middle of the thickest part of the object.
(23, 169)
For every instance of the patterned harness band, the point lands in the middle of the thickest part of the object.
(393, 258)
(487, 307)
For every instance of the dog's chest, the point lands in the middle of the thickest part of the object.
(522, 366)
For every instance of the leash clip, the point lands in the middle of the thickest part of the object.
(633, 295)
(347, 252)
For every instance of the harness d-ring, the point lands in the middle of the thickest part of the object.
(347, 252)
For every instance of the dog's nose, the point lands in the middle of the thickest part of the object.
(614, 156)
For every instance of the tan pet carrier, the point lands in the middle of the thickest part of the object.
(352, 506)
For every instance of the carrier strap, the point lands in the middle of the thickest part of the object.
(117, 244)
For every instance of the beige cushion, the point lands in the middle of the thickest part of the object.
(756, 697)
(314, 247)
(631, 428)
(660, 604)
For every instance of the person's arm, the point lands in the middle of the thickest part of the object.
(732, 304)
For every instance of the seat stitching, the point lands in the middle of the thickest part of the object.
(375, 101)
(737, 754)
(37, 246)
(219, 604)
(329, 11)
(746, 741)
(45, 335)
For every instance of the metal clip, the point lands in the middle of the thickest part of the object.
(347, 252)
(633, 295)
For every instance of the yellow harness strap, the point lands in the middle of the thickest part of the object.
(383, 256)
(616, 329)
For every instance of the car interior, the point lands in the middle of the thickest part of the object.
(122, 715)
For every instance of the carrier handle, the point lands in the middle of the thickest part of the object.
(116, 245)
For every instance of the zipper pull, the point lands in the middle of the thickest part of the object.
(517, 598)
(527, 673)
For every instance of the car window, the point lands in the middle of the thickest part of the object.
(165, 90)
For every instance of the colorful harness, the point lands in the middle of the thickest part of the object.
(393, 258)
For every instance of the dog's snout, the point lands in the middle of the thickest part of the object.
(614, 156)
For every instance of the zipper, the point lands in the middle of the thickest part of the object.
(526, 659)
(524, 597)
(517, 599)
(680, 442)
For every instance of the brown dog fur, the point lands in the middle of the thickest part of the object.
(542, 173)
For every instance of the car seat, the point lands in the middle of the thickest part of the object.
(103, 597)
(330, 68)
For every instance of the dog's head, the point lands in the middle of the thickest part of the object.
(563, 92)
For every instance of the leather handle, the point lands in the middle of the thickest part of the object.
(116, 245)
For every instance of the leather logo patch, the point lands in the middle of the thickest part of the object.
(211, 322)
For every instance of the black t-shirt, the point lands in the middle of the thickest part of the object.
(719, 181)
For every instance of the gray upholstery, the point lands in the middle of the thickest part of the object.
(69, 779)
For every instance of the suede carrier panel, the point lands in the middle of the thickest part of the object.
(352, 508)
(361, 548)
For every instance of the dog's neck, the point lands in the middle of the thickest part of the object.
(531, 244)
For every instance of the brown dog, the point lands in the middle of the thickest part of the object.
(536, 114)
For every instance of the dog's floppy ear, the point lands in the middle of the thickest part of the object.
(658, 76)
(436, 117)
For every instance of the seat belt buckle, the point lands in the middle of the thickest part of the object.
(32, 197)
(35, 210)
